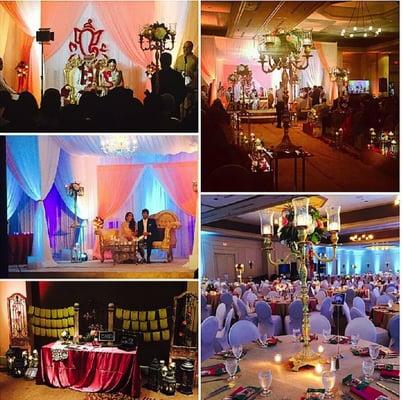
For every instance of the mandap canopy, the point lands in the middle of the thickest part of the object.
(120, 22)
(158, 176)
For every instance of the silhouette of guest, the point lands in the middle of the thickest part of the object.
(167, 80)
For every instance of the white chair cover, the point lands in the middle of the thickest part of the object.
(221, 314)
(383, 299)
(209, 328)
(318, 323)
(364, 327)
(242, 332)
(221, 339)
(358, 302)
(393, 328)
(267, 323)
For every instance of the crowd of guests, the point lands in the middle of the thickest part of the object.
(171, 106)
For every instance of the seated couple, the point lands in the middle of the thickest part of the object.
(146, 230)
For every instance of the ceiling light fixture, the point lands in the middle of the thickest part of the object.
(361, 238)
(119, 145)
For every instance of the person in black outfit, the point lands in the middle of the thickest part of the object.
(167, 80)
(147, 228)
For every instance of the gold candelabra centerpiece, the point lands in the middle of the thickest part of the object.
(287, 50)
(158, 37)
(300, 228)
(240, 270)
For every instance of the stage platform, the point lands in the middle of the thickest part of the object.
(97, 270)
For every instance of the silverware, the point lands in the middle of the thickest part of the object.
(389, 379)
(215, 380)
(388, 389)
(217, 391)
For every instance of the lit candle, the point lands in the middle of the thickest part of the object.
(320, 349)
(302, 220)
(318, 368)
(333, 226)
(267, 229)
(278, 358)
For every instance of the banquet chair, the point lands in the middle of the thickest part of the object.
(320, 296)
(346, 312)
(358, 303)
(360, 285)
(221, 338)
(294, 319)
(356, 313)
(362, 326)
(221, 314)
(383, 299)
(393, 327)
(243, 314)
(264, 290)
(227, 299)
(209, 328)
(349, 296)
(376, 292)
(167, 223)
(318, 323)
(106, 240)
(249, 298)
(273, 295)
(238, 292)
(327, 310)
(205, 310)
(391, 288)
(336, 284)
(267, 323)
(242, 332)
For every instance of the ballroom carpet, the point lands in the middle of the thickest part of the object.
(106, 270)
(329, 170)
(20, 389)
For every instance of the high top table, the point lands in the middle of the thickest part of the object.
(287, 384)
(90, 369)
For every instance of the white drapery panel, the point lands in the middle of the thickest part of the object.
(314, 74)
(14, 194)
(33, 161)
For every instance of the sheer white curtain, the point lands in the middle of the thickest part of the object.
(14, 193)
(314, 74)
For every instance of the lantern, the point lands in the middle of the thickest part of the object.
(10, 355)
(169, 383)
(301, 211)
(333, 219)
(154, 375)
(187, 377)
(35, 359)
(267, 222)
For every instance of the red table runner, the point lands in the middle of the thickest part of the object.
(92, 370)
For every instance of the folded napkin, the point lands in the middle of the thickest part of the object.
(364, 352)
(213, 370)
(387, 373)
(342, 340)
(368, 393)
(271, 341)
(313, 336)
(245, 393)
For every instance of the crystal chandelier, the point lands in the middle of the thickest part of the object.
(360, 238)
(290, 50)
(119, 145)
(361, 23)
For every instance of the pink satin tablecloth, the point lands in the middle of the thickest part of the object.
(92, 370)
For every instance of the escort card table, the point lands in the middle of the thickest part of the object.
(90, 369)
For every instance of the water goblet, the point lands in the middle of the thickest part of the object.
(296, 335)
(327, 335)
(374, 351)
(237, 351)
(354, 340)
(265, 378)
(328, 379)
(368, 370)
(263, 339)
(231, 368)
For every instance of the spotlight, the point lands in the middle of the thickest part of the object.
(43, 36)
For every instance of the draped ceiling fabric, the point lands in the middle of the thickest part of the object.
(35, 172)
(220, 56)
(136, 184)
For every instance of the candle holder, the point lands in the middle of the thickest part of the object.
(239, 269)
(298, 237)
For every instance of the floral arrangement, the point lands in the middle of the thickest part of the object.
(150, 70)
(74, 189)
(156, 32)
(65, 336)
(287, 231)
(98, 223)
(233, 78)
(243, 70)
(312, 115)
(22, 69)
(338, 73)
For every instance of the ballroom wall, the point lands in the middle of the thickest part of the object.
(128, 295)
(7, 288)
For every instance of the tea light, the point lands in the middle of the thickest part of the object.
(278, 358)
(318, 368)
(320, 349)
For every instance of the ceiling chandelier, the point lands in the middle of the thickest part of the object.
(119, 145)
(361, 238)
(361, 23)
(282, 49)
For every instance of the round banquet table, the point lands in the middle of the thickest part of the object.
(214, 300)
(91, 369)
(382, 315)
(282, 307)
(287, 384)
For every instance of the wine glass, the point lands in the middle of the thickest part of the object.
(368, 370)
(231, 368)
(265, 378)
(263, 339)
(328, 379)
(374, 350)
(354, 340)
(296, 334)
(327, 335)
(237, 351)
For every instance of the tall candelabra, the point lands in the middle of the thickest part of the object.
(300, 245)
(74, 189)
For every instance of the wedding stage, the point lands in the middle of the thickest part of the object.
(159, 269)
(68, 197)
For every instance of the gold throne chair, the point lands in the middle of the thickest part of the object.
(167, 223)
(106, 240)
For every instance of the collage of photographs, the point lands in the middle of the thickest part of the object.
(200, 200)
